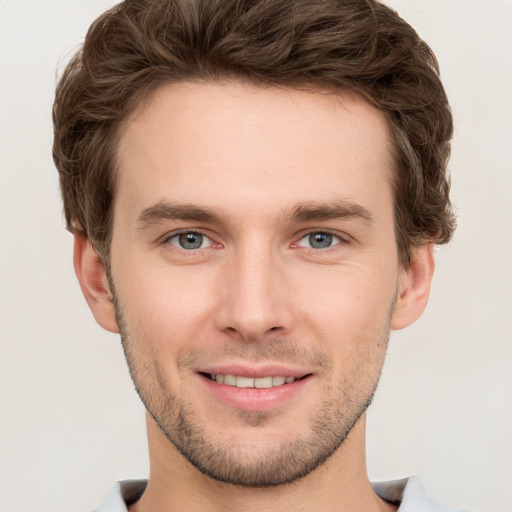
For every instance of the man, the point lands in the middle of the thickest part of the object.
(255, 189)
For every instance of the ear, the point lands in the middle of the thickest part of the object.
(414, 287)
(93, 281)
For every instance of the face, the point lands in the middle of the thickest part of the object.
(255, 272)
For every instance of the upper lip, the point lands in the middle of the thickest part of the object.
(255, 372)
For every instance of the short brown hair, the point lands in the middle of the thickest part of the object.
(341, 46)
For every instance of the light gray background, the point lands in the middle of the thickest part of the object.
(71, 423)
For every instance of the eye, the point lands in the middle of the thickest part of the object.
(190, 240)
(319, 240)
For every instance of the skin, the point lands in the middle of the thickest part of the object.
(268, 163)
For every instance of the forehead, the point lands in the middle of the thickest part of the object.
(236, 145)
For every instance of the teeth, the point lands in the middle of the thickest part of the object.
(244, 382)
(279, 381)
(248, 382)
(264, 382)
(230, 380)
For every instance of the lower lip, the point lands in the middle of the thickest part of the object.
(254, 399)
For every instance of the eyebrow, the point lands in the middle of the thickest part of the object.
(319, 211)
(305, 212)
(163, 211)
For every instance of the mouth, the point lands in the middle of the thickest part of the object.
(253, 388)
(240, 381)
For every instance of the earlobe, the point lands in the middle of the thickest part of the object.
(93, 281)
(414, 287)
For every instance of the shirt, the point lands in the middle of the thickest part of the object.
(408, 492)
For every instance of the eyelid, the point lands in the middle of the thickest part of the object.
(167, 238)
(327, 231)
(343, 237)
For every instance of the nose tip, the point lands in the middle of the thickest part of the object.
(251, 328)
(249, 318)
(255, 303)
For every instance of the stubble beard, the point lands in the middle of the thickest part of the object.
(273, 465)
(242, 464)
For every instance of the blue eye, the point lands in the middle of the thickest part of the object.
(319, 240)
(190, 240)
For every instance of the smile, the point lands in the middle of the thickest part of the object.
(249, 382)
(255, 389)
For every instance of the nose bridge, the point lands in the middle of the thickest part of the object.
(255, 300)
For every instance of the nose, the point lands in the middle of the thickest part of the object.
(256, 300)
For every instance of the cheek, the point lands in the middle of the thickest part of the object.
(348, 304)
(166, 304)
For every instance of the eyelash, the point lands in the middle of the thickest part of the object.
(174, 234)
(343, 240)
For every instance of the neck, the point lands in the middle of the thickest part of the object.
(340, 484)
